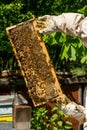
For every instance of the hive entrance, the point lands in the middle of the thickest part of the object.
(34, 62)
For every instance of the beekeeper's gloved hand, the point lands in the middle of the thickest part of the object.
(46, 24)
(68, 23)
(75, 111)
(73, 24)
(71, 108)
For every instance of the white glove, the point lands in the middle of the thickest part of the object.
(46, 24)
(85, 126)
(71, 108)
(75, 111)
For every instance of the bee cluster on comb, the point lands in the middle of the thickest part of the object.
(34, 62)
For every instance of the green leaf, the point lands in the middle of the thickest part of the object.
(64, 50)
(55, 108)
(84, 59)
(68, 125)
(54, 128)
(59, 38)
(72, 53)
(60, 123)
(61, 113)
(54, 117)
(83, 10)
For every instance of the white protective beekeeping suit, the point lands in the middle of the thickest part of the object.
(73, 24)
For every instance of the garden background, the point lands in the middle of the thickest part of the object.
(67, 53)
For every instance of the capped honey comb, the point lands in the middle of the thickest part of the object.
(34, 62)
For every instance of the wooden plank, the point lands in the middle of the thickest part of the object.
(22, 117)
(34, 62)
(7, 73)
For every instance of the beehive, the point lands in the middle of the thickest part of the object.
(22, 117)
(34, 62)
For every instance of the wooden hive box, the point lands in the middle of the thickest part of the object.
(22, 117)
(34, 62)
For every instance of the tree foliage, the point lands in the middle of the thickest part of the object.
(10, 14)
(64, 50)
(45, 118)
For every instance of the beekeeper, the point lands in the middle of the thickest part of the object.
(73, 24)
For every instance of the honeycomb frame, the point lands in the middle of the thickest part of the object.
(34, 62)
